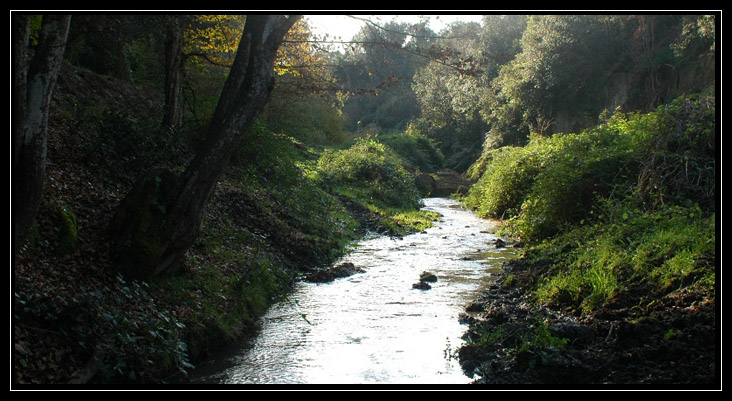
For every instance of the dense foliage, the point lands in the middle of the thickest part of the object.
(415, 148)
(372, 172)
(378, 69)
(543, 74)
(631, 197)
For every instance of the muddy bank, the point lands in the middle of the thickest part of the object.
(639, 338)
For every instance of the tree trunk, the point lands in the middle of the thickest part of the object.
(33, 84)
(161, 217)
(173, 116)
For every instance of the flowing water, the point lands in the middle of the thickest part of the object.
(373, 327)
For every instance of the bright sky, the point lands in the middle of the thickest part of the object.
(345, 27)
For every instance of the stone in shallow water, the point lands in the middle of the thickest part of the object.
(427, 276)
(339, 271)
(421, 285)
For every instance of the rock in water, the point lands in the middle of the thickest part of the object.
(427, 276)
(421, 285)
(423, 279)
(325, 276)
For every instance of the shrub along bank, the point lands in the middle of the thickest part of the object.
(373, 175)
(618, 217)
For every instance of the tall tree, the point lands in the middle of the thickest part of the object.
(160, 218)
(385, 60)
(34, 78)
(173, 114)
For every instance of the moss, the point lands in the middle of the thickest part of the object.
(64, 222)
(33, 239)
(509, 281)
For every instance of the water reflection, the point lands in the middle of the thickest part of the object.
(373, 327)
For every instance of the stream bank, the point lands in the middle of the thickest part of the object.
(663, 340)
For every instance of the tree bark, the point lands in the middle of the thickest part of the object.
(173, 116)
(33, 82)
(161, 217)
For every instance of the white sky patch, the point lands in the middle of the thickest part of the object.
(342, 27)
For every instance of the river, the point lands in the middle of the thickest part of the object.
(373, 327)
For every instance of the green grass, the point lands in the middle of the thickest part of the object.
(662, 250)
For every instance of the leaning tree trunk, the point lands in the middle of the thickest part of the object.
(161, 217)
(33, 84)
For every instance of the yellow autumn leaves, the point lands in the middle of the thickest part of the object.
(217, 37)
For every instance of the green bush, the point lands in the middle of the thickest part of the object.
(312, 119)
(576, 170)
(277, 169)
(415, 148)
(267, 157)
(372, 172)
(682, 164)
(506, 182)
(555, 182)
